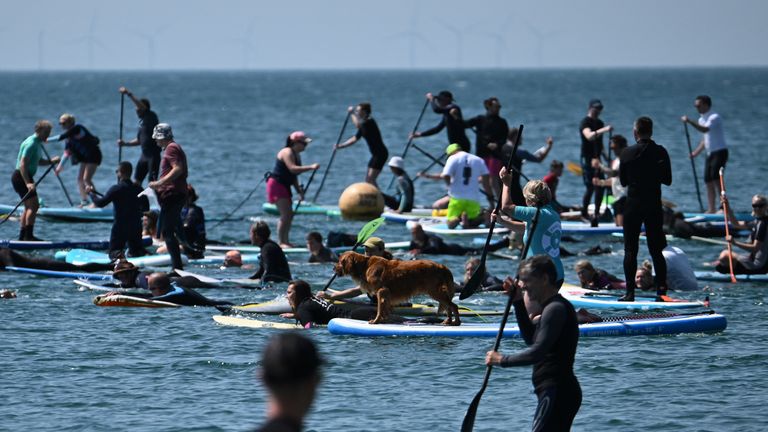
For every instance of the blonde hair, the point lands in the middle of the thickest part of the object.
(537, 192)
(647, 279)
(67, 118)
(43, 125)
(584, 265)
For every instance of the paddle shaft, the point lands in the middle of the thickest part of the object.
(298, 203)
(410, 138)
(429, 167)
(693, 167)
(10, 213)
(469, 418)
(266, 176)
(727, 230)
(64, 188)
(333, 156)
(122, 110)
(476, 279)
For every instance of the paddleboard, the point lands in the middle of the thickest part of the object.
(221, 282)
(95, 287)
(63, 244)
(715, 217)
(279, 306)
(714, 276)
(85, 256)
(72, 214)
(248, 249)
(130, 301)
(219, 259)
(441, 228)
(236, 321)
(306, 208)
(699, 323)
(61, 274)
(611, 301)
(414, 215)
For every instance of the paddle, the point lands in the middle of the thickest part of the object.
(574, 168)
(266, 176)
(122, 108)
(410, 138)
(311, 177)
(333, 155)
(727, 231)
(477, 277)
(366, 231)
(66, 193)
(429, 167)
(10, 213)
(469, 418)
(710, 240)
(693, 167)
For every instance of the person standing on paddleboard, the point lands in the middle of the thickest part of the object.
(711, 125)
(83, 147)
(643, 168)
(149, 161)
(128, 211)
(22, 179)
(368, 128)
(452, 120)
(285, 175)
(591, 130)
(618, 144)
(552, 344)
(491, 132)
(171, 189)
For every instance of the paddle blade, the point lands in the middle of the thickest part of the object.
(469, 418)
(368, 229)
(574, 168)
(474, 282)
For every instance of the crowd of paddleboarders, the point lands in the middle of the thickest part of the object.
(633, 174)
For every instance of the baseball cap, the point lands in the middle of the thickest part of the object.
(452, 148)
(300, 136)
(162, 131)
(595, 103)
(396, 162)
(374, 242)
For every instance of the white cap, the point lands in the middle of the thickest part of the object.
(397, 162)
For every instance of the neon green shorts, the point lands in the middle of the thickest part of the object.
(457, 206)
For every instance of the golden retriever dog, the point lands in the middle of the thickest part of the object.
(393, 282)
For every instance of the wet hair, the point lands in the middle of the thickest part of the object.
(620, 141)
(124, 266)
(705, 100)
(159, 280)
(644, 127)
(473, 261)
(191, 193)
(584, 265)
(316, 236)
(647, 279)
(125, 168)
(537, 192)
(555, 164)
(539, 266)
(365, 107)
(152, 217)
(261, 229)
(289, 359)
(43, 125)
(302, 289)
(145, 102)
(487, 103)
(760, 198)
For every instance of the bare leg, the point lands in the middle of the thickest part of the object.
(81, 183)
(285, 207)
(87, 171)
(371, 176)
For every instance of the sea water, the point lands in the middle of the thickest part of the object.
(69, 365)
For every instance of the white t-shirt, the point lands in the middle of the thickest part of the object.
(465, 169)
(714, 140)
(616, 188)
(680, 276)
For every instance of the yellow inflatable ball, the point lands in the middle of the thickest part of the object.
(361, 201)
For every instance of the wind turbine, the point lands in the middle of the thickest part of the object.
(539, 37)
(91, 41)
(40, 49)
(459, 34)
(151, 40)
(246, 43)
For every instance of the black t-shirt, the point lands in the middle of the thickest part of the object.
(318, 311)
(147, 123)
(591, 149)
(128, 207)
(644, 167)
(489, 129)
(454, 125)
(370, 131)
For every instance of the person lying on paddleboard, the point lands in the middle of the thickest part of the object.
(756, 262)
(130, 276)
(273, 265)
(11, 258)
(596, 279)
(489, 282)
(431, 244)
(160, 288)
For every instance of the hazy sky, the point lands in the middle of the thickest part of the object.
(342, 34)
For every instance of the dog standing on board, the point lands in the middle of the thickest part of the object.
(393, 282)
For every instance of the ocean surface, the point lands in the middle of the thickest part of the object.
(70, 366)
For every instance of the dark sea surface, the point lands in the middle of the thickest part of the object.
(69, 365)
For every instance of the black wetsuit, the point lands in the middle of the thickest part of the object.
(11, 258)
(82, 145)
(644, 167)
(489, 283)
(591, 150)
(489, 129)
(325, 255)
(434, 245)
(403, 198)
(193, 225)
(273, 265)
(370, 131)
(149, 161)
(319, 312)
(454, 125)
(280, 425)
(142, 281)
(183, 297)
(515, 190)
(552, 350)
(128, 211)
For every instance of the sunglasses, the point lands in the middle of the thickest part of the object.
(758, 205)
